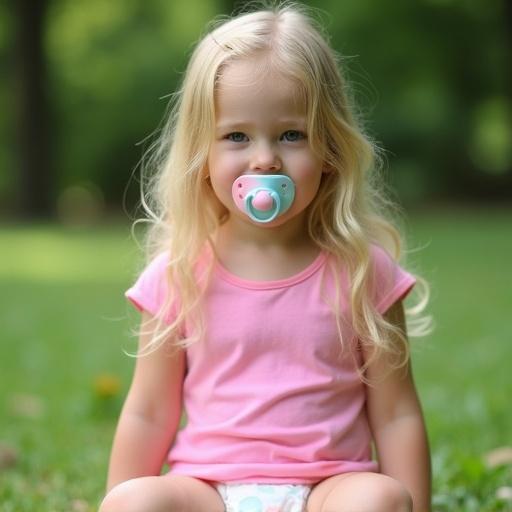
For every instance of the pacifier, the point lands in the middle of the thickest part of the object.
(263, 197)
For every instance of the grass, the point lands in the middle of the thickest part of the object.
(462, 370)
(63, 372)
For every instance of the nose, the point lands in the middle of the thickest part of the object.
(265, 158)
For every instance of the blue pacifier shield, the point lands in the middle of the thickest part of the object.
(263, 197)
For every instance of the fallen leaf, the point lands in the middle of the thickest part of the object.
(504, 493)
(26, 405)
(499, 457)
(8, 456)
(79, 506)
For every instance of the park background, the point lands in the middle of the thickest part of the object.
(84, 87)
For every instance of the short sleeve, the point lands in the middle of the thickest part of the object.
(390, 281)
(150, 292)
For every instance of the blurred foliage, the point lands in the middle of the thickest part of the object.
(116, 63)
(431, 78)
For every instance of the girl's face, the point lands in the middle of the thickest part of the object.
(260, 128)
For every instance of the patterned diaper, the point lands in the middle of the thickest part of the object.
(264, 497)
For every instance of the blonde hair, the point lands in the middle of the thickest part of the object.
(346, 216)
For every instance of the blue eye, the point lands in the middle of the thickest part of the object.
(237, 137)
(293, 136)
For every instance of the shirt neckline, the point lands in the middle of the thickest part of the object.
(240, 282)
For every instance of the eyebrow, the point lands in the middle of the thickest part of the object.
(293, 121)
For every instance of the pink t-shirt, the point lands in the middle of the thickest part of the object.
(269, 392)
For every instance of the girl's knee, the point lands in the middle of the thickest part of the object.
(124, 497)
(118, 498)
(141, 495)
(368, 492)
(391, 496)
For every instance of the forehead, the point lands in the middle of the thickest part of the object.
(250, 85)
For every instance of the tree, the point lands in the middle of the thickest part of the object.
(32, 122)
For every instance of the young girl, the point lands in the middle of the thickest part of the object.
(271, 305)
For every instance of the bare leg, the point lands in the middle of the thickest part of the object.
(359, 492)
(167, 493)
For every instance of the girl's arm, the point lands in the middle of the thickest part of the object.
(397, 423)
(151, 413)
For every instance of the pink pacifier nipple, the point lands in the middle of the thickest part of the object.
(263, 201)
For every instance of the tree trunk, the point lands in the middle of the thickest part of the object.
(33, 163)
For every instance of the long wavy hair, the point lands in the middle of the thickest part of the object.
(349, 211)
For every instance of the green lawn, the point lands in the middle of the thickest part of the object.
(65, 325)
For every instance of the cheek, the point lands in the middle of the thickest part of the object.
(308, 189)
(304, 160)
(223, 170)
(308, 175)
(225, 164)
(307, 169)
